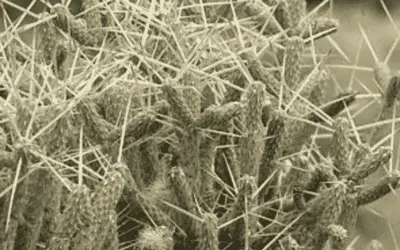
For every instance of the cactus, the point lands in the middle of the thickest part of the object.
(179, 132)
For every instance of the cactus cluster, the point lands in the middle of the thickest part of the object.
(161, 125)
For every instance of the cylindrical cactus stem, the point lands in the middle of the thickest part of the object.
(113, 101)
(272, 149)
(108, 193)
(207, 173)
(158, 238)
(191, 93)
(297, 179)
(133, 159)
(85, 239)
(320, 27)
(217, 117)
(328, 200)
(208, 232)
(301, 173)
(51, 141)
(290, 13)
(340, 147)
(77, 215)
(254, 99)
(103, 201)
(391, 95)
(298, 173)
(262, 13)
(94, 126)
(182, 193)
(77, 28)
(47, 41)
(185, 111)
(181, 188)
(328, 207)
(190, 137)
(370, 165)
(386, 185)
(52, 211)
(296, 134)
(3, 139)
(226, 163)
(243, 224)
(266, 111)
(363, 152)
(323, 172)
(38, 196)
(189, 156)
(165, 166)
(290, 57)
(142, 124)
(251, 145)
(315, 90)
(260, 73)
(179, 107)
(347, 220)
(111, 241)
(106, 233)
(233, 94)
(11, 220)
(150, 167)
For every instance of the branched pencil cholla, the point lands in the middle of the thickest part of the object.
(181, 125)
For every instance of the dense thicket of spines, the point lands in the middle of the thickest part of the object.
(166, 125)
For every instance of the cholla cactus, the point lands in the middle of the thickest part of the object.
(181, 125)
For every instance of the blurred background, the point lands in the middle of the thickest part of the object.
(380, 220)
